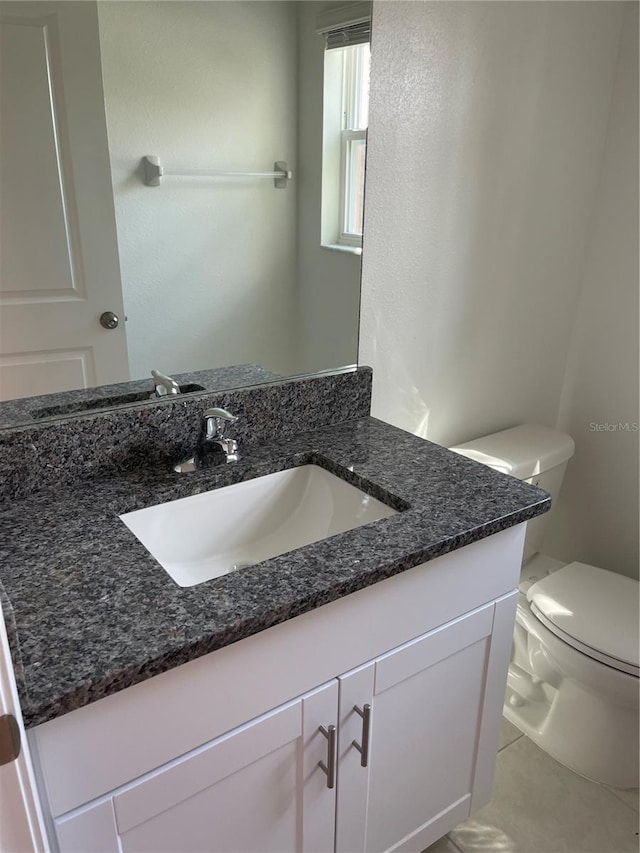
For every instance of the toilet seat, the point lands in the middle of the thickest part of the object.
(592, 610)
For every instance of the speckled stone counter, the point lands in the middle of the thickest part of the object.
(90, 612)
(29, 410)
(153, 434)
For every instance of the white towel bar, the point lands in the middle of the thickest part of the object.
(153, 172)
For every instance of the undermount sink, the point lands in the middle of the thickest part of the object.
(211, 534)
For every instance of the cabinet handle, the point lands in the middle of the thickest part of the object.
(363, 748)
(330, 767)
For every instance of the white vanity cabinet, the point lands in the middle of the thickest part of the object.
(416, 715)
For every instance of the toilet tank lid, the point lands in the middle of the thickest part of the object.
(523, 451)
(597, 608)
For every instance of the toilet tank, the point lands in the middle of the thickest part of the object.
(536, 454)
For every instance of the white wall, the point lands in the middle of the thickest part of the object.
(328, 279)
(208, 270)
(487, 128)
(487, 226)
(596, 518)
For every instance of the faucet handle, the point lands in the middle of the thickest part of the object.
(163, 385)
(216, 422)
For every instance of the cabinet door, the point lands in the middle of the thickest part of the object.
(427, 699)
(257, 788)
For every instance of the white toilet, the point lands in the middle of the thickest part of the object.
(573, 678)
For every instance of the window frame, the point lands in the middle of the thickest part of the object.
(352, 74)
(348, 190)
(338, 223)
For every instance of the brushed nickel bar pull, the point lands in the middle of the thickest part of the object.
(363, 748)
(330, 767)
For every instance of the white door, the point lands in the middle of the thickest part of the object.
(20, 816)
(59, 266)
(432, 738)
(256, 789)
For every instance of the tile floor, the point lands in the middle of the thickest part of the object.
(539, 806)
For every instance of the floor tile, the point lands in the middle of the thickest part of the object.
(539, 806)
(508, 733)
(443, 845)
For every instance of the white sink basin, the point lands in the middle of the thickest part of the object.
(214, 533)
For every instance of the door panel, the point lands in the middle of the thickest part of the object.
(257, 788)
(356, 689)
(426, 698)
(424, 745)
(417, 655)
(253, 809)
(40, 372)
(501, 640)
(35, 192)
(59, 265)
(318, 801)
(91, 831)
(214, 763)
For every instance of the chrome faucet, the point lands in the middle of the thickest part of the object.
(163, 386)
(213, 444)
(212, 435)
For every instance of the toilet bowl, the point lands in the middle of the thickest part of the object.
(573, 679)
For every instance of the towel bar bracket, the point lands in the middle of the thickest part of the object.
(153, 171)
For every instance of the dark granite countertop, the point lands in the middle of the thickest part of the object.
(90, 612)
(63, 404)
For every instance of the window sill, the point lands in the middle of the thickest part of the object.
(338, 247)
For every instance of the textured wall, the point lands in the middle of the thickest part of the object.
(501, 240)
(208, 269)
(487, 130)
(596, 518)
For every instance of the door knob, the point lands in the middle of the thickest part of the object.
(109, 320)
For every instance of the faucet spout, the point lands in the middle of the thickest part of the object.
(163, 386)
(212, 434)
(213, 447)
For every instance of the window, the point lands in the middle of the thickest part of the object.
(355, 112)
(345, 121)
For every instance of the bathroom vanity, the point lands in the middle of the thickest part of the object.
(343, 696)
(225, 752)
